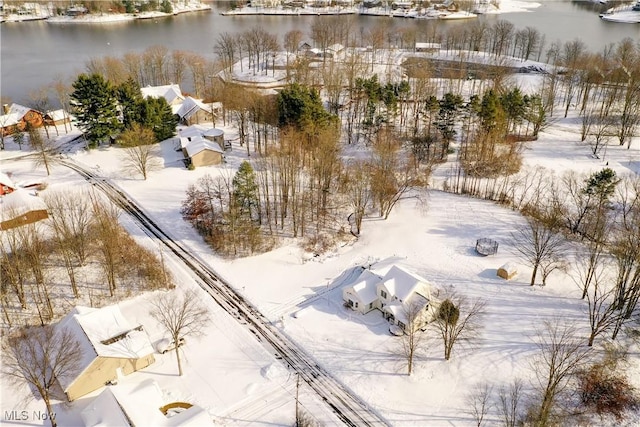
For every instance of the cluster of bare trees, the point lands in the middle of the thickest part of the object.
(300, 188)
(157, 66)
(40, 357)
(256, 47)
(82, 231)
(545, 400)
(598, 216)
(453, 320)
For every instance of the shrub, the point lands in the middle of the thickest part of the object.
(606, 392)
(448, 312)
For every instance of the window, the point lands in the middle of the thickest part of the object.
(383, 294)
(350, 303)
(401, 325)
(370, 306)
(356, 305)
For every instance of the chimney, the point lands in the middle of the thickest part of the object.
(5, 108)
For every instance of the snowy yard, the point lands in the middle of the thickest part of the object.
(238, 382)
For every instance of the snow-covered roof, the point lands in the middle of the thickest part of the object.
(509, 267)
(213, 132)
(199, 130)
(14, 115)
(105, 332)
(57, 115)
(199, 144)
(336, 47)
(104, 411)
(400, 311)
(18, 203)
(423, 45)
(171, 93)
(6, 180)
(402, 283)
(191, 106)
(365, 286)
(139, 403)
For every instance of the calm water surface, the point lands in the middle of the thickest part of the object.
(33, 54)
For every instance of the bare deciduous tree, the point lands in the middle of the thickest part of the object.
(509, 402)
(107, 233)
(180, 316)
(140, 150)
(44, 147)
(358, 188)
(479, 402)
(561, 354)
(537, 243)
(457, 319)
(602, 310)
(414, 311)
(40, 357)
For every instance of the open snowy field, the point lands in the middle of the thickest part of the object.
(238, 382)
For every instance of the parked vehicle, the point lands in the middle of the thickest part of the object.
(167, 344)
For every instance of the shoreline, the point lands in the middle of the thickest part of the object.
(103, 18)
(415, 13)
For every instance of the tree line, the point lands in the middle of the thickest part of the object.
(82, 231)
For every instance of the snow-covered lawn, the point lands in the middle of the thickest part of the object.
(240, 383)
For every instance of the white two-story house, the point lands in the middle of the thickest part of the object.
(400, 295)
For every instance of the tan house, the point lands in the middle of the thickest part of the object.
(195, 111)
(203, 152)
(111, 346)
(19, 206)
(202, 145)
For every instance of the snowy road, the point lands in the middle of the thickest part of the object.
(347, 406)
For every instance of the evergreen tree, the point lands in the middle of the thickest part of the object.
(513, 104)
(302, 108)
(156, 114)
(535, 113)
(94, 104)
(601, 185)
(166, 7)
(450, 105)
(245, 192)
(129, 99)
(490, 114)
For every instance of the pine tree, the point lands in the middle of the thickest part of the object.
(245, 192)
(302, 108)
(491, 113)
(450, 105)
(129, 99)
(156, 114)
(94, 104)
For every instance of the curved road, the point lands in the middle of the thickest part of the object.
(343, 402)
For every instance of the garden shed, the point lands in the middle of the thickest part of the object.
(508, 271)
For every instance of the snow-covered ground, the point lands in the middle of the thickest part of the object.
(239, 383)
(503, 6)
(102, 18)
